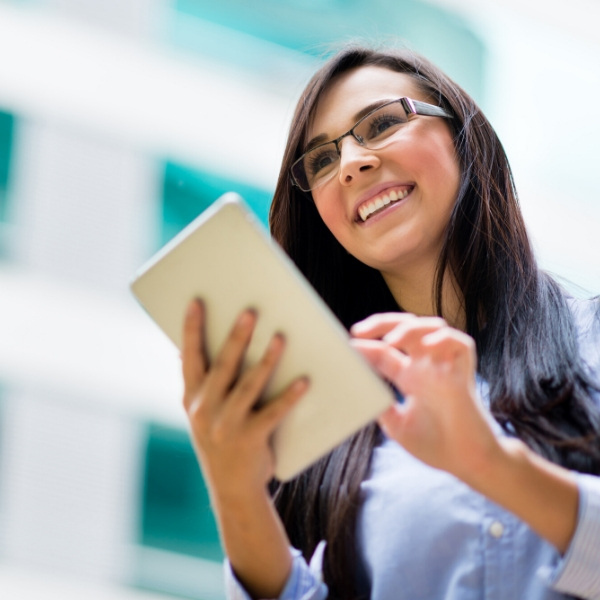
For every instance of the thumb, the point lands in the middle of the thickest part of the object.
(391, 421)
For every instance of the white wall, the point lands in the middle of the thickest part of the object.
(542, 84)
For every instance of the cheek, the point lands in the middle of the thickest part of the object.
(449, 166)
(329, 210)
(439, 165)
(434, 158)
(453, 180)
(334, 218)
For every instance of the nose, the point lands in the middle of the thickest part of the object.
(355, 160)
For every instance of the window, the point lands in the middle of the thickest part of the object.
(6, 137)
(176, 513)
(187, 192)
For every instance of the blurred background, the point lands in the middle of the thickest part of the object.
(120, 120)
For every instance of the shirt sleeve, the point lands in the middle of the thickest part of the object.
(304, 583)
(578, 571)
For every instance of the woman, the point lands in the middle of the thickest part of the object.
(396, 201)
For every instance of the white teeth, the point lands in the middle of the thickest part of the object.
(366, 210)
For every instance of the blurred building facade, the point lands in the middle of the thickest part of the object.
(119, 122)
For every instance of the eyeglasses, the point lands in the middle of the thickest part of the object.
(375, 130)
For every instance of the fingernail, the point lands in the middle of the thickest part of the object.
(276, 341)
(193, 308)
(358, 327)
(301, 384)
(246, 318)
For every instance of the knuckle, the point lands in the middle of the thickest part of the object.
(464, 339)
(220, 362)
(471, 346)
(438, 322)
(246, 386)
(469, 342)
(237, 335)
(219, 433)
(189, 397)
(197, 411)
(274, 411)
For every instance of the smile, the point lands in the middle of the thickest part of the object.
(377, 204)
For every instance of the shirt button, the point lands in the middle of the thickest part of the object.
(496, 529)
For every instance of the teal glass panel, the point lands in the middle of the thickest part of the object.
(187, 192)
(176, 513)
(6, 141)
(315, 28)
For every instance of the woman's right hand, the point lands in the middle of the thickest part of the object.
(230, 434)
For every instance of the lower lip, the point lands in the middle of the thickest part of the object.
(385, 212)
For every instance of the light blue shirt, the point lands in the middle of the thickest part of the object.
(423, 534)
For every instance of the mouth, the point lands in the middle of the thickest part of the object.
(376, 205)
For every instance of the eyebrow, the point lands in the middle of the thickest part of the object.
(323, 138)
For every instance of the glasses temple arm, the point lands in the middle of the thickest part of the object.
(423, 108)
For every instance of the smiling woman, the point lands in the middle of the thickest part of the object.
(396, 200)
(418, 164)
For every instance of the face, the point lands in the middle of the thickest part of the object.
(414, 180)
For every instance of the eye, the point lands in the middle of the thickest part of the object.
(321, 160)
(382, 125)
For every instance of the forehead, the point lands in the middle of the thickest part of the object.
(350, 92)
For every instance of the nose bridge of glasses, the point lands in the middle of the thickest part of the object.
(358, 139)
(356, 155)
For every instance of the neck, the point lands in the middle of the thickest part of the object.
(415, 293)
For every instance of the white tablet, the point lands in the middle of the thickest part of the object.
(226, 258)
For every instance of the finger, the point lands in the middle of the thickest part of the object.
(450, 344)
(225, 367)
(409, 335)
(252, 383)
(193, 355)
(378, 325)
(269, 417)
(387, 361)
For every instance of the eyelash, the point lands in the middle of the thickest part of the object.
(313, 165)
(389, 118)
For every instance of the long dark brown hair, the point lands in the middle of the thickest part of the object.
(517, 314)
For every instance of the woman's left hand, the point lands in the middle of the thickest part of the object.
(441, 421)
